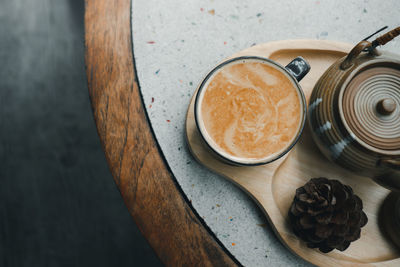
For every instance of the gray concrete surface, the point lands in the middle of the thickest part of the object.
(59, 205)
(177, 42)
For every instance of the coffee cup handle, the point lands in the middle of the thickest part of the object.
(298, 68)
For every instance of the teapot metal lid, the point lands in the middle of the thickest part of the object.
(370, 108)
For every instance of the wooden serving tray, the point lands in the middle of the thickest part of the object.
(273, 186)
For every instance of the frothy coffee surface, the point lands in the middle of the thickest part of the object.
(251, 110)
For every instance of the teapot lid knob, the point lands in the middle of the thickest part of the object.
(386, 106)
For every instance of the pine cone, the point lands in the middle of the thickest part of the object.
(327, 215)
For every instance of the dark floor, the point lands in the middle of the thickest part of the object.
(59, 205)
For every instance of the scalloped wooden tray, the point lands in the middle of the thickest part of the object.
(272, 186)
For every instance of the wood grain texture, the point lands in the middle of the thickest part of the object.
(140, 172)
(272, 186)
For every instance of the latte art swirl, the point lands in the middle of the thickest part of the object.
(251, 110)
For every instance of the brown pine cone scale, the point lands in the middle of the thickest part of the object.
(327, 215)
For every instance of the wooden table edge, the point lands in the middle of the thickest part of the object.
(153, 197)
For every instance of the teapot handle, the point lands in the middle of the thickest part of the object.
(348, 61)
(391, 163)
(387, 37)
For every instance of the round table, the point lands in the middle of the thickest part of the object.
(189, 215)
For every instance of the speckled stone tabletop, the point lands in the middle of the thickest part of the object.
(177, 42)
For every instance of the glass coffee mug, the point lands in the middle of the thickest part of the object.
(251, 110)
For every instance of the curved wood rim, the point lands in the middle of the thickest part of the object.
(155, 201)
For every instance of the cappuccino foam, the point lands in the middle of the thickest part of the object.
(251, 109)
